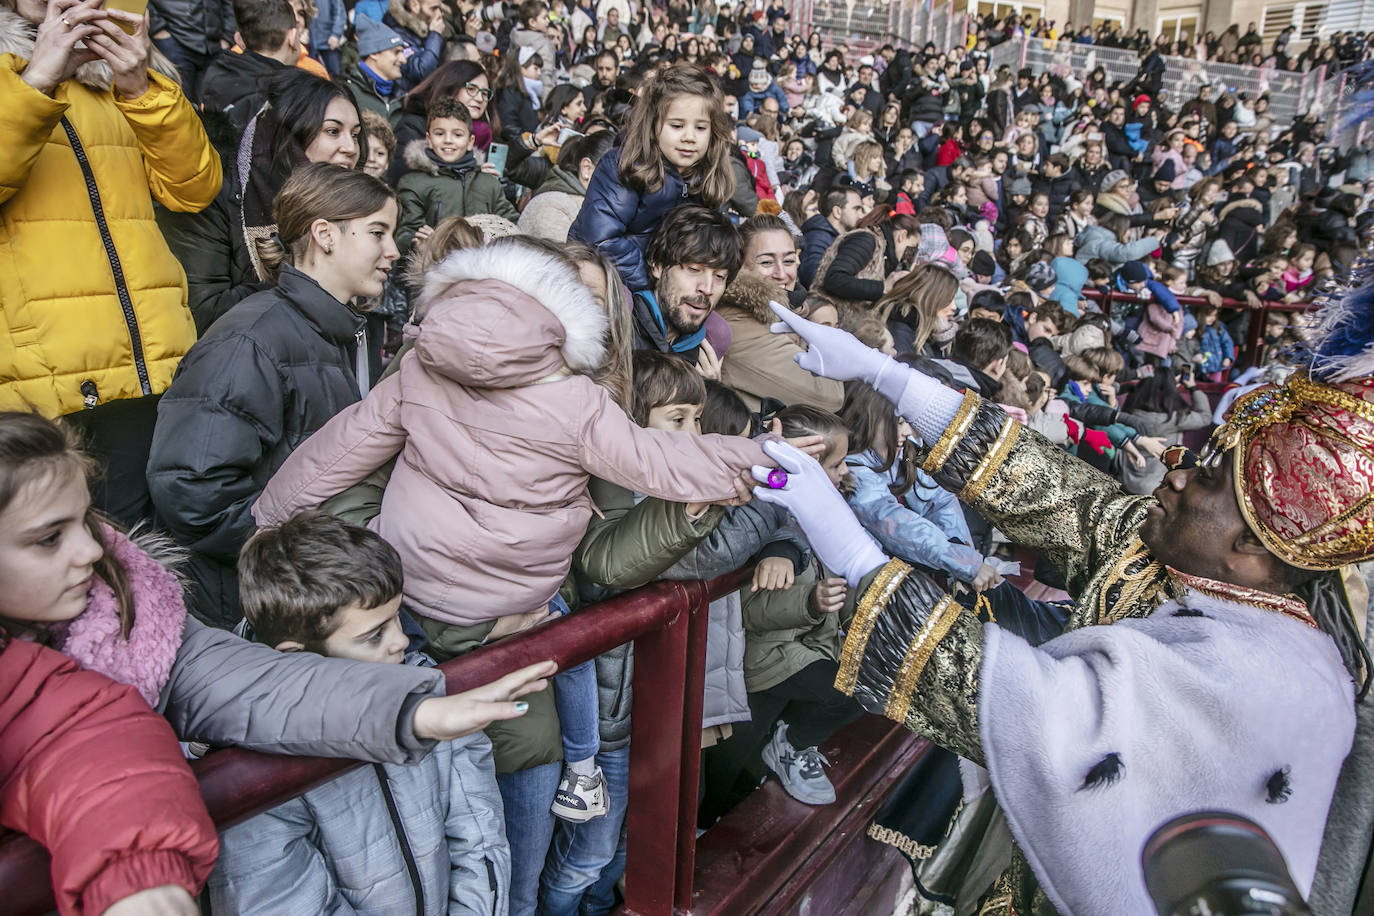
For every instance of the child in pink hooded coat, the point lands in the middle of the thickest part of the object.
(497, 427)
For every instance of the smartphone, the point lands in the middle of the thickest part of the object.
(496, 155)
(137, 7)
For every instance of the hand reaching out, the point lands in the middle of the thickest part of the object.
(446, 718)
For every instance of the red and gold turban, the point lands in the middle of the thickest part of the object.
(1304, 468)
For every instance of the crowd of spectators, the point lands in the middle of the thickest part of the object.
(415, 325)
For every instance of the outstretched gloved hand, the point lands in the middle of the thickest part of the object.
(831, 352)
(835, 534)
(835, 354)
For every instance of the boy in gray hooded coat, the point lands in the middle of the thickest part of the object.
(428, 838)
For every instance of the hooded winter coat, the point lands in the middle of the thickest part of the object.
(432, 191)
(760, 363)
(266, 376)
(498, 432)
(78, 181)
(554, 206)
(617, 220)
(96, 777)
(347, 846)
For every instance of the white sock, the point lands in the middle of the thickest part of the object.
(583, 767)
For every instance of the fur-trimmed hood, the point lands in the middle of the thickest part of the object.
(417, 159)
(17, 38)
(508, 314)
(750, 292)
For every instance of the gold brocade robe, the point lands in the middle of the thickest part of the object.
(1078, 518)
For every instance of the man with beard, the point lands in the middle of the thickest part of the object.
(692, 255)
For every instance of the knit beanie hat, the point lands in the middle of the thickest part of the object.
(1219, 253)
(374, 37)
(1134, 272)
(1113, 178)
(1166, 171)
(759, 78)
(1021, 186)
(982, 264)
(1041, 276)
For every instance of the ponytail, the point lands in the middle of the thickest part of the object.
(315, 191)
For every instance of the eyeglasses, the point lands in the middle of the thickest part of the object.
(480, 92)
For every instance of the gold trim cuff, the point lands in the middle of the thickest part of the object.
(963, 418)
(987, 468)
(917, 656)
(884, 586)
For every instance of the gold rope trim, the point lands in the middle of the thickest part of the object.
(993, 460)
(963, 419)
(1135, 586)
(917, 656)
(901, 841)
(885, 583)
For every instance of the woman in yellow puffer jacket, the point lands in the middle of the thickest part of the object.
(93, 316)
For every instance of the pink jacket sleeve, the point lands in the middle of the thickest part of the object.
(358, 440)
(679, 467)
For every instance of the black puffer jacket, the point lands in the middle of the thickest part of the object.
(213, 252)
(272, 372)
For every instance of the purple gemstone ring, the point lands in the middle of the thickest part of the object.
(777, 478)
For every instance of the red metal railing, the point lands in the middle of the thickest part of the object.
(1254, 334)
(667, 623)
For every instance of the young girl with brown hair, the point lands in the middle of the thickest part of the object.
(676, 149)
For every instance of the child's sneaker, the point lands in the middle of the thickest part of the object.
(799, 771)
(580, 798)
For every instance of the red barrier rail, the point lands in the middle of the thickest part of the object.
(667, 623)
(1254, 334)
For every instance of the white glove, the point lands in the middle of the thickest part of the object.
(835, 534)
(835, 354)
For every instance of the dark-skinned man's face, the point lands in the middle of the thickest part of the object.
(1196, 524)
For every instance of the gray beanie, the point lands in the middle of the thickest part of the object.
(374, 37)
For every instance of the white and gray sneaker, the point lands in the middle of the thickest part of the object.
(799, 772)
(580, 798)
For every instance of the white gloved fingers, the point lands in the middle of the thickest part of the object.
(791, 459)
(769, 495)
(789, 318)
(779, 327)
(760, 473)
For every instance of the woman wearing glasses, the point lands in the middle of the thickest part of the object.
(463, 80)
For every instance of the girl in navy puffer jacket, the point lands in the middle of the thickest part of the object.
(676, 150)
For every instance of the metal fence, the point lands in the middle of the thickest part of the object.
(865, 25)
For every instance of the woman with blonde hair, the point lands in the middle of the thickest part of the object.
(919, 310)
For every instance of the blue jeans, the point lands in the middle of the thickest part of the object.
(527, 795)
(587, 860)
(574, 695)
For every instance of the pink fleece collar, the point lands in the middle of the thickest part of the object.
(144, 661)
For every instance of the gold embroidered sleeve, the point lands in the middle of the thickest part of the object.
(1035, 492)
(912, 655)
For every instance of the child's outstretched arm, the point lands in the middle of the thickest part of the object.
(604, 221)
(359, 439)
(669, 465)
